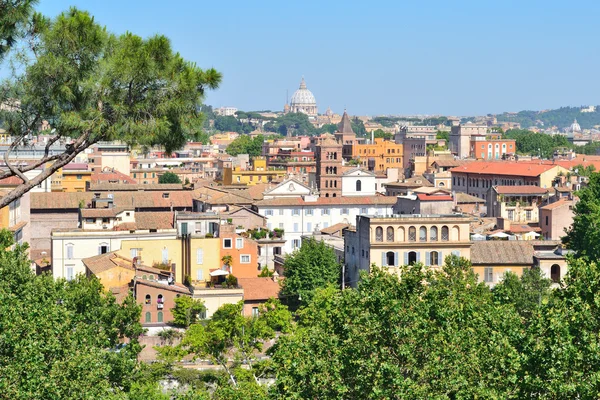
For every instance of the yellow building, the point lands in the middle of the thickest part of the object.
(387, 154)
(71, 178)
(203, 255)
(258, 173)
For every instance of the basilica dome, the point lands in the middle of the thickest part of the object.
(575, 127)
(303, 101)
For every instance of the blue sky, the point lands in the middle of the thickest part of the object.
(378, 57)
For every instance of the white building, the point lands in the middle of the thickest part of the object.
(358, 182)
(226, 111)
(299, 216)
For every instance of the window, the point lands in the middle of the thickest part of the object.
(295, 212)
(239, 243)
(165, 256)
(358, 185)
(105, 220)
(296, 227)
(199, 274)
(345, 211)
(364, 211)
(555, 273)
(69, 251)
(268, 213)
(379, 234)
(422, 234)
(281, 211)
(434, 258)
(488, 274)
(546, 220)
(390, 258)
(165, 195)
(70, 273)
(134, 253)
(200, 256)
(90, 220)
(528, 215)
(159, 316)
(433, 234)
(244, 258)
(309, 227)
(79, 177)
(159, 299)
(390, 234)
(254, 311)
(148, 317)
(325, 211)
(308, 211)
(445, 234)
(227, 243)
(412, 257)
(103, 248)
(511, 215)
(412, 234)
(148, 299)
(295, 243)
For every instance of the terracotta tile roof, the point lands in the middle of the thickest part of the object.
(105, 262)
(137, 199)
(434, 197)
(11, 181)
(154, 220)
(334, 228)
(112, 187)
(120, 292)
(502, 252)
(176, 287)
(101, 212)
(75, 167)
(504, 168)
(523, 229)
(523, 189)
(449, 163)
(259, 288)
(557, 204)
(563, 189)
(329, 201)
(464, 198)
(111, 176)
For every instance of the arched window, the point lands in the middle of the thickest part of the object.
(326, 184)
(412, 234)
(434, 258)
(412, 257)
(455, 234)
(390, 258)
(445, 234)
(159, 299)
(422, 234)
(144, 277)
(358, 185)
(148, 299)
(379, 234)
(159, 316)
(433, 234)
(390, 234)
(151, 277)
(401, 234)
(148, 316)
(555, 273)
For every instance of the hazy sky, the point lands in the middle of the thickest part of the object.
(378, 57)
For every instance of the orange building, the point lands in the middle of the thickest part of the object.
(491, 147)
(243, 252)
(386, 153)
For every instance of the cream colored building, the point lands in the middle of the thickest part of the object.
(399, 240)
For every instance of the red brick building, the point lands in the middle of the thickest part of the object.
(257, 291)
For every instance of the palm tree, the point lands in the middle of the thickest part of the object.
(227, 261)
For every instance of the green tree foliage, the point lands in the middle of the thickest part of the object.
(582, 170)
(381, 134)
(584, 236)
(58, 337)
(358, 127)
(526, 293)
(427, 335)
(329, 128)
(187, 311)
(443, 136)
(562, 118)
(93, 85)
(313, 266)
(169, 177)
(536, 143)
(244, 144)
(294, 124)
(15, 18)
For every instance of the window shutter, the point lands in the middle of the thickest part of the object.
(99, 249)
(418, 256)
(427, 258)
(396, 258)
(383, 263)
(456, 253)
(199, 256)
(406, 258)
(440, 258)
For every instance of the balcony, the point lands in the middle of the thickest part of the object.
(160, 306)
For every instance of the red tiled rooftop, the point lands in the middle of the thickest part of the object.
(329, 201)
(434, 197)
(504, 168)
(557, 204)
(259, 288)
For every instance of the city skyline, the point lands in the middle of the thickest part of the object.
(465, 58)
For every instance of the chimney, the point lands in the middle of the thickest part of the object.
(275, 276)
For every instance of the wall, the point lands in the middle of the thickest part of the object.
(115, 277)
(168, 303)
(42, 224)
(211, 259)
(248, 248)
(152, 252)
(554, 221)
(214, 298)
(367, 187)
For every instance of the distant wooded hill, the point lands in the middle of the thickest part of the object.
(562, 118)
